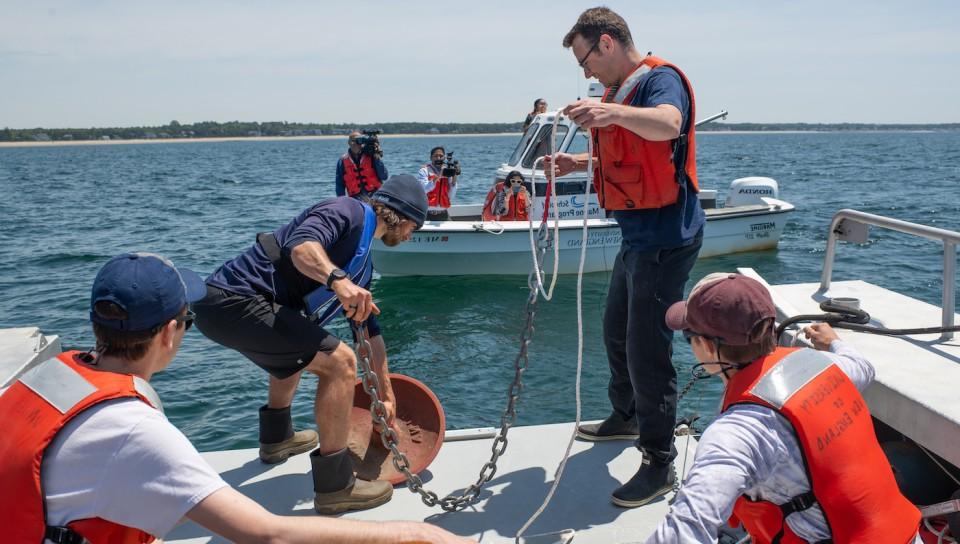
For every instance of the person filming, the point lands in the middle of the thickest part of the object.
(360, 171)
(439, 180)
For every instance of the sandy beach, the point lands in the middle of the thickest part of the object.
(238, 139)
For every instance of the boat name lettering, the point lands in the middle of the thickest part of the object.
(763, 226)
(429, 239)
(567, 214)
(597, 238)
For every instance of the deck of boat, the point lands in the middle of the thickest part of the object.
(525, 473)
(915, 390)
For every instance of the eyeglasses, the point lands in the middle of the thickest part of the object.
(585, 57)
(186, 319)
(516, 181)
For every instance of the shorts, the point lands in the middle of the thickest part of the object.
(279, 339)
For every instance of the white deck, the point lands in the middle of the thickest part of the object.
(917, 387)
(525, 473)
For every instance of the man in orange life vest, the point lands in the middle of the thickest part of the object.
(793, 455)
(440, 189)
(645, 175)
(88, 452)
(359, 172)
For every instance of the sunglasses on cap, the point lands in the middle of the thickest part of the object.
(187, 319)
(689, 335)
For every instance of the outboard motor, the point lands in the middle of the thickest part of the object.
(748, 191)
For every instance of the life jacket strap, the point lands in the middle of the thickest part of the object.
(799, 503)
(64, 535)
(268, 241)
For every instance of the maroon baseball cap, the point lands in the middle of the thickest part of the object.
(725, 306)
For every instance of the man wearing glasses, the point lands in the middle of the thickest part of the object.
(645, 174)
(360, 171)
(89, 456)
(440, 184)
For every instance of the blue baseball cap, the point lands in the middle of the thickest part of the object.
(148, 287)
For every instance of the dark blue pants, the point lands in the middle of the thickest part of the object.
(643, 382)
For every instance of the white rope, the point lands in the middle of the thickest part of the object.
(537, 265)
(558, 474)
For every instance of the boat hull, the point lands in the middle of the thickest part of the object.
(460, 248)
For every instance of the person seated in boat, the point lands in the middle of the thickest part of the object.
(360, 171)
(508, 200)
(539, 106)
(88, 453)
(792, 456)
(439, 183)
(317, 265)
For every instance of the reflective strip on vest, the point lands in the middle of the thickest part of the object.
(58, 384)
(778, 385)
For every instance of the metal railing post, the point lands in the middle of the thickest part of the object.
(949, 286)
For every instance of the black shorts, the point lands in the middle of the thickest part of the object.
(277, 338)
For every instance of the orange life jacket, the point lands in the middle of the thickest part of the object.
(439, 196)
(33, 410)
(850, 477)
(634, 173)
(517, 205)
(362, 179)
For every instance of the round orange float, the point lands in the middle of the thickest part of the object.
(420, 426)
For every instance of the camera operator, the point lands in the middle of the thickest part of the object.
(439, 180)
(360, 171)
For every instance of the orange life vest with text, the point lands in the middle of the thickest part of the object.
(359, 179)
(850, 477)
(634, 173)
(517, 205)
(439, 196)
(33, 410)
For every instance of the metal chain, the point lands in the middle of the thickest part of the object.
(371, 384)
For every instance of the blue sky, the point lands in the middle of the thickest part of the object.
(113, 63)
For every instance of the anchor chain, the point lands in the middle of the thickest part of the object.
(389, 438)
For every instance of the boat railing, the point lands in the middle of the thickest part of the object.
(853, 226)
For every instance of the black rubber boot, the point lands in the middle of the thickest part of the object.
(278, 441)
(612, 428)
(654, 479)
(337, 490)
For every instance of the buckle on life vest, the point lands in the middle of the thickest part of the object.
(64, 535)
(799, 503)
(629, 204)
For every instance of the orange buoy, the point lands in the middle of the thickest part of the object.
(419, 424)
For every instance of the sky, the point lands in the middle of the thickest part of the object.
(130, 63)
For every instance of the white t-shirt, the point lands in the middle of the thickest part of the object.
(122, 461)
(753, 450)
(423, 176)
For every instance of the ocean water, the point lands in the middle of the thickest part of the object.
(66, 210)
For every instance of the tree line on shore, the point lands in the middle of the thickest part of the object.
(239, 129)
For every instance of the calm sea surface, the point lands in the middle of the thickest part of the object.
(66, 210)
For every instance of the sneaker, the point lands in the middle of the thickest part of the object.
(359, 496)
(653, 480)
(300, 442)
(612, 428)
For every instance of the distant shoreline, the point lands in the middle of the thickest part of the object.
(59, 143)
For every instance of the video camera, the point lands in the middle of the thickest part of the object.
(451, 167)
(370, 142)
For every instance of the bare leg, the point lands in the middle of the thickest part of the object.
(337, 373)
(280, 393)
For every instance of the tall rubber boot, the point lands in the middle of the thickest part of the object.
(277, 438)
(337, 490)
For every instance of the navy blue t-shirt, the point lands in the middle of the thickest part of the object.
(336, 223)
(670, 226)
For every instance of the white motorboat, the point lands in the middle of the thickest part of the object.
(913, 398)
(751, 219)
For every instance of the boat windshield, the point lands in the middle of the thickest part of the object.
(524, 140)
(541, 145)
(578, 142)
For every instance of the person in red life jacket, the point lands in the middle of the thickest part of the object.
(792, 456)
(259, 304)
(360, 171)
(89, 454)
(645, 176)
(440, 186)
(508, 200)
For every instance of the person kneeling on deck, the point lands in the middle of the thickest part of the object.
(508, 200)
(88, 453)
(271, 304)
(439, 183)
(793, 455)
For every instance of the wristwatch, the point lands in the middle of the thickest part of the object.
(335, 275)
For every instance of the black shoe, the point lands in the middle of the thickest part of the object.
(612, 428)
(654, 479)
